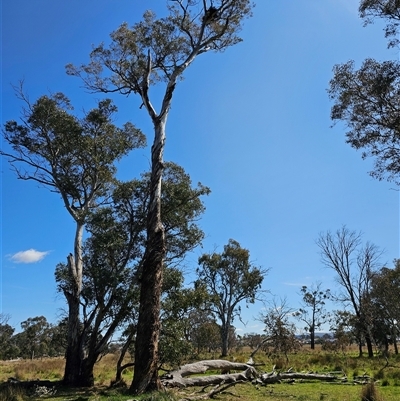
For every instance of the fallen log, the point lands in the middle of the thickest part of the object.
(179, 377)
(276, 377)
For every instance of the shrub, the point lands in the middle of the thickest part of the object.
(370, 393)
(9, 392)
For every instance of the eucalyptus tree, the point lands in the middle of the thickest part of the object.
(8, 349)
(230, 278)
(75, 158)
(34, 340)
(114, 254)
(313, 312)
(355, 265)
(367, 99)
(385, 298)
(158, 51)
(389, 10)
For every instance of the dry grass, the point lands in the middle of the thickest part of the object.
(43, 369)
(370, 393)
(306, 359)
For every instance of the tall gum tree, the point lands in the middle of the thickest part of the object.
(150, 52)
(74, 158)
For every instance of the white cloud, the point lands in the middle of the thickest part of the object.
(293, 284)
(29, 256)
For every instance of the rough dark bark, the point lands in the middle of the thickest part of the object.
(312, 336)
(224, 339)
(370, 349)
(74, 353)
(148, 329)
(396, 349)
(86, 378)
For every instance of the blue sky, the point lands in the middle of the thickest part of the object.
(251, 123)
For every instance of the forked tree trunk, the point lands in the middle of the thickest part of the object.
(74, 354)
(124, 350)
(148, 329)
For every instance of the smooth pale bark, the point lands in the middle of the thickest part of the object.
(274, 377)
(179, 378)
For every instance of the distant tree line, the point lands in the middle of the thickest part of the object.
(191, 326)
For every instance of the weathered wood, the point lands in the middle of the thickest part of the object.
(274, 377)
(179, 378)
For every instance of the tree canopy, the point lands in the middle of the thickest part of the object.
(368, 101)
(386, 9)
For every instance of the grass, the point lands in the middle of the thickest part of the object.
(387, 379)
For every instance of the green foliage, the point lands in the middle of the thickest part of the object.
(230, 278)
(151, 51)
(160, 49)
(72, 156)
(388, 10)
(367, 100)
(385, 305)
(113, 259)
(313, 312)
(280, 331)
(8, 348)
(38, 338)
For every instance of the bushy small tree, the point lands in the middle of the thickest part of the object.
(313, 312)
(230, 278)
(279, 330)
